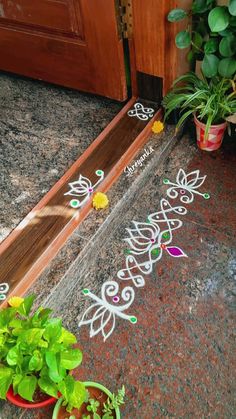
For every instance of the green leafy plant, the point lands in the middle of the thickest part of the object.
(37, 353)
(108, 408)
(212, 101)
(211, 33)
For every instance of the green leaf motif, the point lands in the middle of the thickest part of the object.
(176, 15)
(71, 358)
(218, 19)
(227, 67)
(183, 39)
(210, 65)
(228, 46)
(232, 7)
(27, 387)
(5, 381)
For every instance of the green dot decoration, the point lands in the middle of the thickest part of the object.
(133, 319)
(206, 195)
(126, 251)
(165, 181)
(155, 252)
(166, 235)
(85, 291)
(74, 203)
(99, 172)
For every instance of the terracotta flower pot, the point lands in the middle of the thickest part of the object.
(18, 401)
(214, 138)
(97, 391)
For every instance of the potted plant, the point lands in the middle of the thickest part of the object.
(36, 357)
(211, 102)
(210, 33)
(100, 404)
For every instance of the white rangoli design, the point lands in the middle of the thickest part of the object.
(4, 287)
(141, 112)
(147, 242)
(83, 188)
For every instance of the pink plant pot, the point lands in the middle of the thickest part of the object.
(214, 138)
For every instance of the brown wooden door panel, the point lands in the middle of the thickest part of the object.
(46, 14)
(154, 39)
(74, 43)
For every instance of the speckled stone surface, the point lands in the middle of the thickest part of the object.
(178, 360)
(43, 130)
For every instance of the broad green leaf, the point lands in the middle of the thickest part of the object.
(197, 39)
(176, 14)
(43, 344)
(78, 396)
(56, 372)
(190, 56)
(200, 6)
(226, 32)
(210, 65)
(66, 387)
(227, 67)
(67, 338)
(218, 19)
(36, 361)
(5, 381)
(30, 338)
(71, 358)
(27, 387)
(16, 380)
(211, 46)
(26, 305)
(25, 364)
(183, 39)
(232, 7)
(48, 386)
(232, 22)
(228, 46)
(15, 323)
(14, 356)
(6, 315)
(53, 330)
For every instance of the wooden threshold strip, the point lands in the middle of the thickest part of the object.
(27, 251)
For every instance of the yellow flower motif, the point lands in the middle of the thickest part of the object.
(15, 301)
(100, 201)
(157, 127)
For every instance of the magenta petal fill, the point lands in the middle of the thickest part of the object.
(176, 252)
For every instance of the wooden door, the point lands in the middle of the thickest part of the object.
(154, 40)
(73, 43)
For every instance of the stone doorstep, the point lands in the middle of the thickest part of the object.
(57, 283)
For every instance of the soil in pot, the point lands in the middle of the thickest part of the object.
(96, 394)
